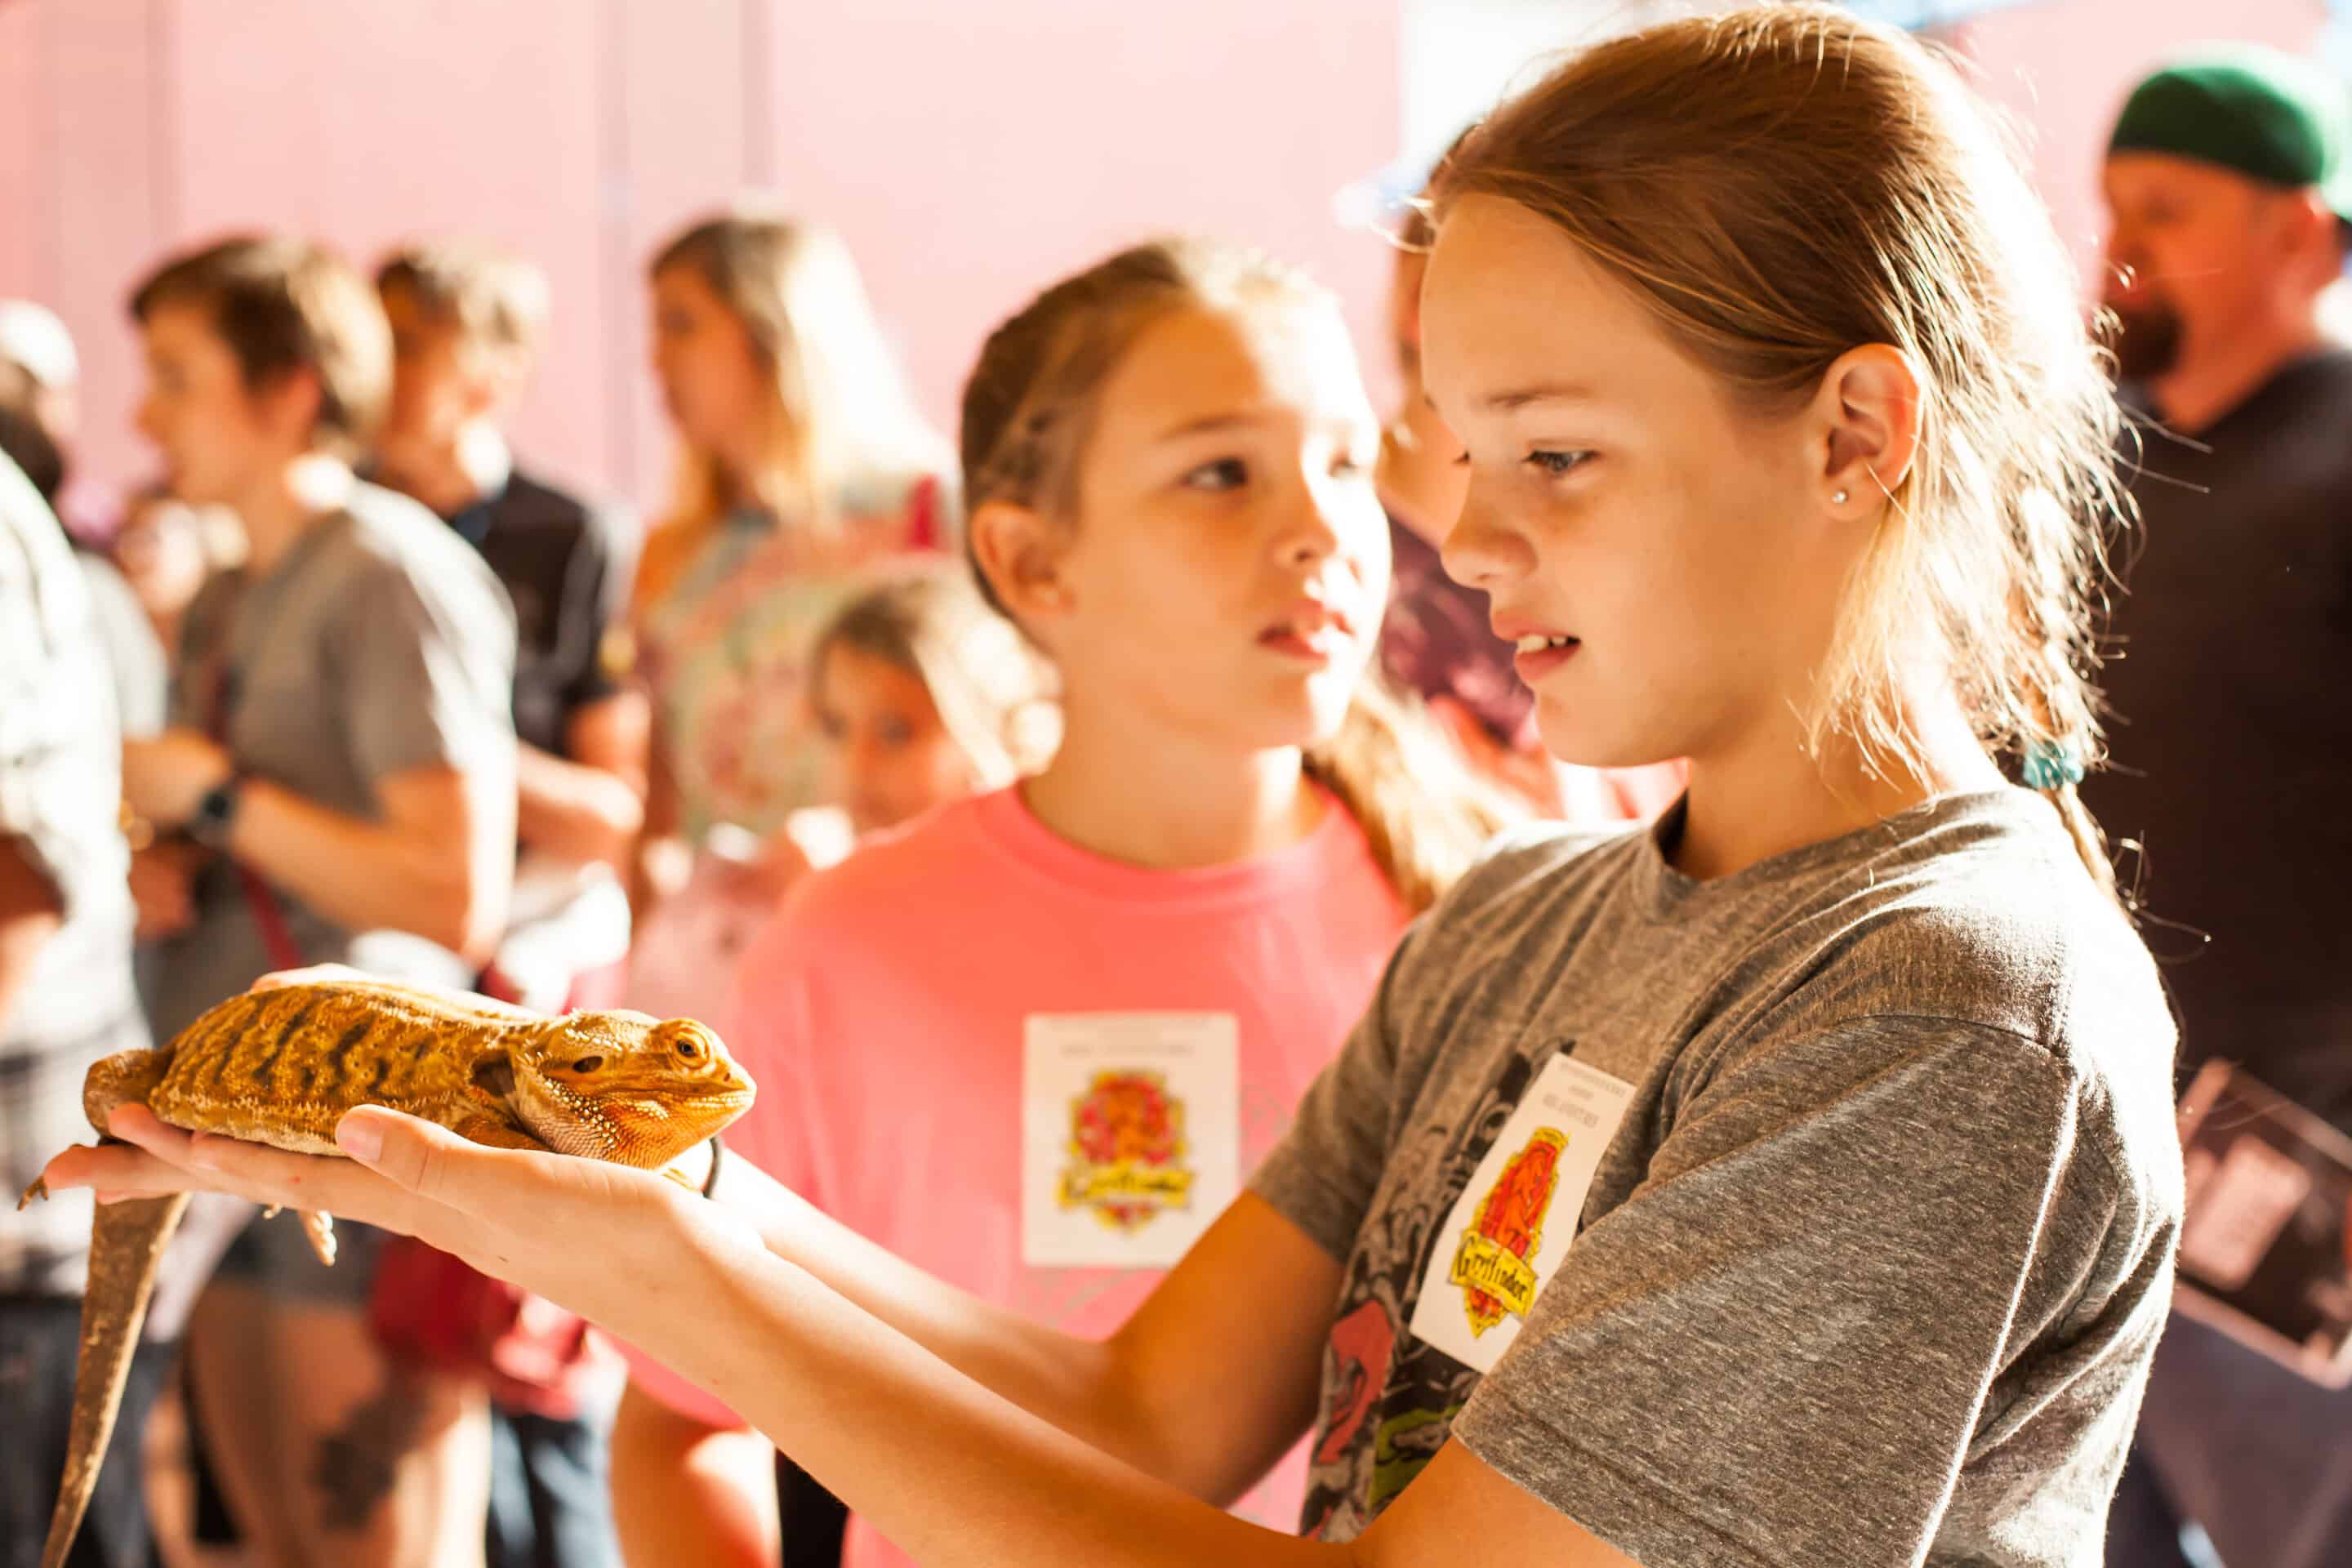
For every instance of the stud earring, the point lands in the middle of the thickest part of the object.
(1838, 500)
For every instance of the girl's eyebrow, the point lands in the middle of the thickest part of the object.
(1209, 423)
(1544, 392)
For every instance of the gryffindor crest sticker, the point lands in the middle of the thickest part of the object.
(1516, 1218)
(1128, 1151)
(1493, 1264)
(1130, 1135)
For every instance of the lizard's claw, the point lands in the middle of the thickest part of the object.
(40, 1189)
(320, 1228)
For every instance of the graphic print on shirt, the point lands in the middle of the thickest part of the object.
(1127, 1149)
(1369, 1367)
(1130, 1135)
(1498, 1197)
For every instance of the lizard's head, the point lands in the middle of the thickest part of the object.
(629, 1089)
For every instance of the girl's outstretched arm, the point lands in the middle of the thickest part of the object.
(951, 1471)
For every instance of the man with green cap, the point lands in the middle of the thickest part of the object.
(2229, 181)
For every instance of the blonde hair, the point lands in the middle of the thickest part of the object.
(841, 418)
(1785, 183)
(993, 693)
(1028, 411)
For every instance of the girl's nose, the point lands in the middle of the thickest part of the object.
(1477, 551)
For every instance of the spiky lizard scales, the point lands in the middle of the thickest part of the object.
(281, 1066)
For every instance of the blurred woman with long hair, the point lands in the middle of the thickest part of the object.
(804, 462)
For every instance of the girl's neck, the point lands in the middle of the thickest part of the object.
(1120, 790)
(751, 472)
(1768, 794)
(282, 505)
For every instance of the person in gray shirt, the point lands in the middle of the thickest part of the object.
(1795, 1184)
(336, 783)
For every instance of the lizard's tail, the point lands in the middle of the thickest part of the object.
(126, 1246)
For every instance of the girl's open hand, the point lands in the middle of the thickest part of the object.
(522, 1217)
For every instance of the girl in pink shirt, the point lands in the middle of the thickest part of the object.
(1034, 1043)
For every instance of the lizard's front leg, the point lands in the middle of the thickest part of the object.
(320, 1228)
(496, 1132)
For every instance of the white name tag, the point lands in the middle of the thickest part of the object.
(1130, 1135)
(1518, 1217)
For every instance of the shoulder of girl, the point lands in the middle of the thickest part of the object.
(890, 882)
(385, 567)
(1517, 880)
(1540, 851)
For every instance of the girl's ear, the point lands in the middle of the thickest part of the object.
(1869, 409)
(289, 403)
(1019, 554)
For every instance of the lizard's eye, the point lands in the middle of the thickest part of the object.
(587, 1064)
(686, 1048)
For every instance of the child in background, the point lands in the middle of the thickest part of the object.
(924, 695)
(804, 463)
(466, 322)
(982, 1033)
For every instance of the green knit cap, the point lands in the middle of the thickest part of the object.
(2264, 114)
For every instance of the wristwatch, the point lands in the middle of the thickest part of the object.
(216, 814)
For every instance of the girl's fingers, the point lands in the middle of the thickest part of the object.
(317, 973)
(159, 1159)
(137, 1124)
(505, 1211)
(453, 1172)
(318, 1182)
(119, 1171)
(428, 1159)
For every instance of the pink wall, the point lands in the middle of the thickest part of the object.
(967, 152)
(2063, 68)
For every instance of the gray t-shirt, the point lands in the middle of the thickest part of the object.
(1870, 1270)
(381, 643)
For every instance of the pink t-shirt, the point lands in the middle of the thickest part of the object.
(974, 995)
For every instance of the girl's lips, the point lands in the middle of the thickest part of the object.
(1534, 664)
(1325, 645)
(1312, 630)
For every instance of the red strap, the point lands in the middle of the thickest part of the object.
(283, 953)
(923, 514)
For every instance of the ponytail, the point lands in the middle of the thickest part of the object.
(1424, 818)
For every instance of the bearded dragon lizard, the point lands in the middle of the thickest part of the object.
(281, 1066)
